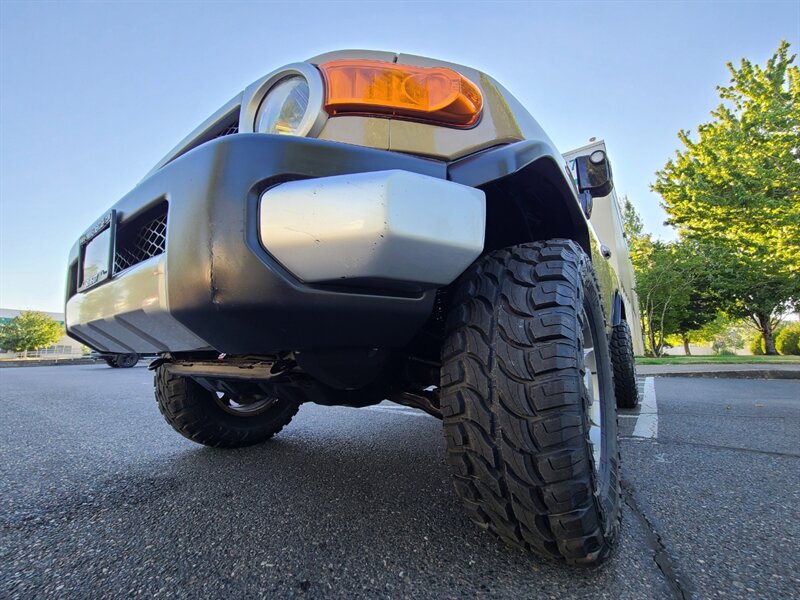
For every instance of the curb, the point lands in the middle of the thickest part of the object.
(47, 362)
(748, 374)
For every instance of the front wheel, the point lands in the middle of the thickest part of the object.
(528, 402)
(221, 420)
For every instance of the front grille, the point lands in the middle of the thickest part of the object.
(229, 130)
(141, 240)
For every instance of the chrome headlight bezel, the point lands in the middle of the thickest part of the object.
(315, 116)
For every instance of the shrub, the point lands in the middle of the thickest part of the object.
(757, 345)
(788, 339)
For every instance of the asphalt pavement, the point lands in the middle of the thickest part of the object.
(99, 497)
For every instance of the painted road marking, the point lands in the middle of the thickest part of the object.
(399, 410)
(647, 423)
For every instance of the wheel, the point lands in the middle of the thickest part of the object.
(126, 361)
(528, 402)
(625, 389)
(111, 362)
(220, 420)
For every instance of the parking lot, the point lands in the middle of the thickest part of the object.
(100, 498)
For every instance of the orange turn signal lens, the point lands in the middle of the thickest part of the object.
(430, 94)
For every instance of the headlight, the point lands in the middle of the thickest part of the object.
(283, 109)
(288, 101)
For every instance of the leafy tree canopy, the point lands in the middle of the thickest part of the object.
(671, 284)
(631, 221)
(30, 330)
(735, 190)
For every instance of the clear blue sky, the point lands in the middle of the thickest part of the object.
(92, 95)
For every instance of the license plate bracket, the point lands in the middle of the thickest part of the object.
(97, 251)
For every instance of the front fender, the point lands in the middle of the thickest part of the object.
(528, 194)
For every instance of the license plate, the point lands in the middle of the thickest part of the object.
(97, 251)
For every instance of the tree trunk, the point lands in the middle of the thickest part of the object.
(647, 351)
(766, 330)
(651, 334)
(651, 337)
(661, 330)
(686, 346)
(25, 353)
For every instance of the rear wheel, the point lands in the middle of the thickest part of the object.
(221, 420)
(528, 402)
(126, 361)
(625, 389)
(111, 362)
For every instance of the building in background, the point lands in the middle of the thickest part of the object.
(64, 348)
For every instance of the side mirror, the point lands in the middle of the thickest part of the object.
(594, 174)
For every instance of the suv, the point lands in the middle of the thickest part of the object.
(365, 226)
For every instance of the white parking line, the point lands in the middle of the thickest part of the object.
(647, 423)
(399, 410)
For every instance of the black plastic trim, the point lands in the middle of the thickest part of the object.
(617, 311)
(529, 165)
(229, 291)
(226, 289)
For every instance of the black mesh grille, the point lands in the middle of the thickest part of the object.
(150, 240)
(229, 130)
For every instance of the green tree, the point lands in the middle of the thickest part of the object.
(660, 286)
(631, 221)
(735, 192)
(698, 306)
(30, 330)
(671, 283)
(707, 333)
(732, 338)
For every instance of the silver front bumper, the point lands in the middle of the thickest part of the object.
(388, 226)
(130, 313)
(384, 225)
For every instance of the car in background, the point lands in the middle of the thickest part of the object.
(119, 361)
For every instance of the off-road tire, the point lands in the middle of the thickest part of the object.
(515, 405)
(126, 361)
(194, 413)
(625, 389)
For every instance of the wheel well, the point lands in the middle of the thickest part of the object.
(532, 204)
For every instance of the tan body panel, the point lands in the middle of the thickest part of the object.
(504, 120)
(606, 221)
